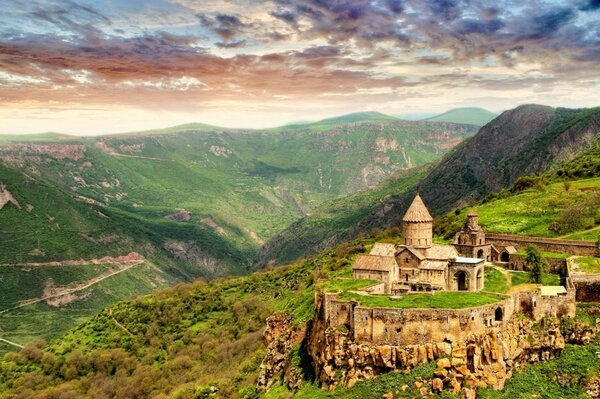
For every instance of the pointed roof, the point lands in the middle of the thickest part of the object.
(417, 211)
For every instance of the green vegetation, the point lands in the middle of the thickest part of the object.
(585, 165)
(469, 115)
(563, 377)
(37, 138)
(502, 281)
(439, 300)
(51, 319)
(495, 280)
(588, 264)
(181, 341)
(339, 218)
(240, 187)
(545, 254)
(538, 212)
(475, 168)
(355, 117)
(537, 264)
(375, 389)
(176, 341)
(519, 278)
(86, 198)
(345, 284)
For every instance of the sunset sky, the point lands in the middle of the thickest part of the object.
(102, 66)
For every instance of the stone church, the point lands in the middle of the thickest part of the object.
(420, 264)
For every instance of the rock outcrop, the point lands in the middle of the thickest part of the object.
(6, 197)
(484, 359)
(280, 337)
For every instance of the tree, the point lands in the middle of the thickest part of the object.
(537, 264)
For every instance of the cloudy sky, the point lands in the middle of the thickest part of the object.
(98, 66)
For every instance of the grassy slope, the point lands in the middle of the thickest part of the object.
(181, 341)
(532, 211)
(41, 320)
(486, 163)
(239, 186)
(474, 116)
(252, 184)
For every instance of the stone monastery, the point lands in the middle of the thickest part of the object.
(421, 265)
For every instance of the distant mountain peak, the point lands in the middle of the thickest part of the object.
(467, 115)
(358, 117)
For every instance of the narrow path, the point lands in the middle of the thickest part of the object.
(73, 290)
(119, 324)
(11, 343)
(505, 273)
(116, 154)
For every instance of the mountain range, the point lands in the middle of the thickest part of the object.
(146, 210)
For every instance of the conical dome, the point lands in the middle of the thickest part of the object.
(417, 212)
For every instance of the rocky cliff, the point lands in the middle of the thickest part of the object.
(482, 360)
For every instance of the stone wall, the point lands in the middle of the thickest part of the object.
(395, 326)
(518, 262)
(588, 287)
(419, 326)
(586, 248)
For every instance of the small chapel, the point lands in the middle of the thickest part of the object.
(420, 264)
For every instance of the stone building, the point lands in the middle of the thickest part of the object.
(470, 241)
(421, 265)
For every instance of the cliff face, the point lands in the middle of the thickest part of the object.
(483, 360)
(280, 337)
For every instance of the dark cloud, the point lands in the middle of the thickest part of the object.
(549, 23)
(226, 26)
(236, 44)
(590, 5)
(69, 16)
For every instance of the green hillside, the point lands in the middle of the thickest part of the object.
(563, 202)
(370, 116)
(531, 139)
(194, 201)
(194, 339)
(232, 189)
(470, 115)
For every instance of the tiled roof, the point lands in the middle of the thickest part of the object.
(433, 265)
(374, 262)
(443, 252)
(383, 249)
(417, 212)
(412, 250)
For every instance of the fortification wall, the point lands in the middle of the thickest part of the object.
(547, 244)
(390, 326)
(395, 326)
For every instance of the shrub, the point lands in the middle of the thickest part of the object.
(538, 264)
(574, 217)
